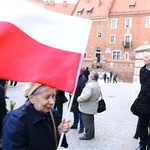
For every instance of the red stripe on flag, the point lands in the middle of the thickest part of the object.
(24, 59)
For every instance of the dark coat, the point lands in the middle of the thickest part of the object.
(3, 109)
(144, 94)
(86, 73)
(28, 129)
(60, 97)
(79, 88)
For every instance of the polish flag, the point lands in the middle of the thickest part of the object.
(38, 45)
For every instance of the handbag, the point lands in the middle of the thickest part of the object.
(135, 107)
(101, 105)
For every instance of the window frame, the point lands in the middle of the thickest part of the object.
(126, 23)
(112, 35)
(98, 33)
(114, 22)
(116, 54)
(125, 39)
(147, 24)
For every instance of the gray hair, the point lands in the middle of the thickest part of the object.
(94, 75)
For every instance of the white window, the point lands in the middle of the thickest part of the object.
(112, 39)
(128, 23)
(99, 33)
(79, 13)
(116, 54)
(113, 23)
(127, 40)
(126, 56)
(147, 22)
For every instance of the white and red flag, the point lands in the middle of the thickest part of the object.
(39, 45)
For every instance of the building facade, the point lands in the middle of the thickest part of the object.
(119, 27)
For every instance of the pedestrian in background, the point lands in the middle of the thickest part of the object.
(88, 104)
(60, 100)
(115, 77)
(13, 83)
(86, 73)
(36, 125)
(104, 77)
(108, 76)
(76, 113)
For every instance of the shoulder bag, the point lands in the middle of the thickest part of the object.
(101, 105)
(135, 107)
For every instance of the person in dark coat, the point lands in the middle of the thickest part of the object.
(3, 109)
(35, 125)
(86, 73)
(144, 103)
(60, 99)
(77, 114)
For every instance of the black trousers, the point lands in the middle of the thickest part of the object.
(88, 121)
(144, 120)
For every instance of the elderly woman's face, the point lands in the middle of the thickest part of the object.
(44, 99)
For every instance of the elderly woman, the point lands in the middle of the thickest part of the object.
(88, 103)
(35, 125)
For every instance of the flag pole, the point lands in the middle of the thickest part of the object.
(68, 111)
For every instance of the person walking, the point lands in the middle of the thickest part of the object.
(13, 83)
(88, 104)
(115, 77)
(76, 113)
(35, 125)
(104, 77)
(144, 103)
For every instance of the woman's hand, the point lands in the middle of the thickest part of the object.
(64, 126)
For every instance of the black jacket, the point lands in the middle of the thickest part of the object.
(144, 94)
(3, 109)
(79, 88)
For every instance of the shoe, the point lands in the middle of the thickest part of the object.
(73, 127)
(135, 137)
(141, 147)
(84, 138)
(6, 97)
(81, 130)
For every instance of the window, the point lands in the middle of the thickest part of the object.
(126, 56)
(116, 54)
(113, 23)
(147, 22)
(128, 23)
(99, 33)
(127, 40)
(112, 39)
(89, 10)
(79, 12)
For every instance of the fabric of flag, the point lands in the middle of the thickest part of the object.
(38, 45)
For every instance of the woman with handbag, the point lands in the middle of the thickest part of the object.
(88, 104)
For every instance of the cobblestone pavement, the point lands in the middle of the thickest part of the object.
(114, 128)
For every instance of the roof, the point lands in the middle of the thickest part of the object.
(58, 7)
(99, 8)
(130, 7)
(143, 47)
